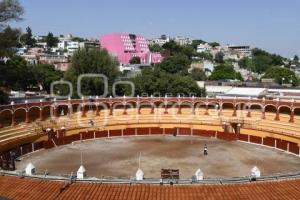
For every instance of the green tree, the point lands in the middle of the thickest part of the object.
(45, 74)
(27, 38)
(172, 46)
(3, 98)
(176, 64)
(260, 61)
(78, 39)
(51, 40)
(96, 61)
(17, 75)
(219, 57)
(205, 56)
(8, 40)
(188, 50)
(155, 48)
(198, 74)
(10, 10)
(195, 43)
(214, 44)
(263, 60)
(246, 63)
(296, 58)
(135, 60)
(282, 75)
(225, 72)
(155, 80)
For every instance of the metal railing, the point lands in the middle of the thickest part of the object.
(210, 181)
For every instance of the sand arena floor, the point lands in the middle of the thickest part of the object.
(118, 157)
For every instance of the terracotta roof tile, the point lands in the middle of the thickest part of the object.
(25, 188)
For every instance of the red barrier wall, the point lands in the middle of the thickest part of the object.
(48, 144)
(27, 148)
(38, 146)
(281, 144)
(101, 134)
(243, 137)
(60, 133)
(114, 133)
(87, 135)
(268, 141)
(71, 138)
(226, 136)
(129, 131)
(142, 131)
(184, 131)
(59, 141)
(204, 133)
(255, 139)
(170, 131)
(156, 131)
(294, 148)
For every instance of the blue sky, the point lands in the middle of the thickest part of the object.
(269, 24)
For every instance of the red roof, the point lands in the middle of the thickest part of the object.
(25, 188)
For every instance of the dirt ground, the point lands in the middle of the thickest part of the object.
(118, 157)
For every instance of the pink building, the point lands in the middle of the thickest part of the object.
(126, 46)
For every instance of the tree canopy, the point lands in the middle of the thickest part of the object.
(225, 72)
(261, 61)
(282, 75)
(9, 39)
(219, 57)
(172, 46)
(10, 10)
(157, 81)
(214, 44)
(195, 43)
(155, 48)
(46, 74)
(198, 74)
(17, 75)
(175, 64)
(51, 40)
(92, 61)
(27, 38)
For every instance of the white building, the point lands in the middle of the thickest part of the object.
(67, 44)
(213, 90)
(183, 40)
(244, 92)
(72, 47)
(67, 38)
(89, 44)
(203, 48)
(160, 41)
(241, 49)
(62, 45)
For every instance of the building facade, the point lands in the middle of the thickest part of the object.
(126, 46)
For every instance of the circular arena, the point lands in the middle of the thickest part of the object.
(151, 148)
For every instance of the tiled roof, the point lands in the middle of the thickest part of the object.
(17, 188)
